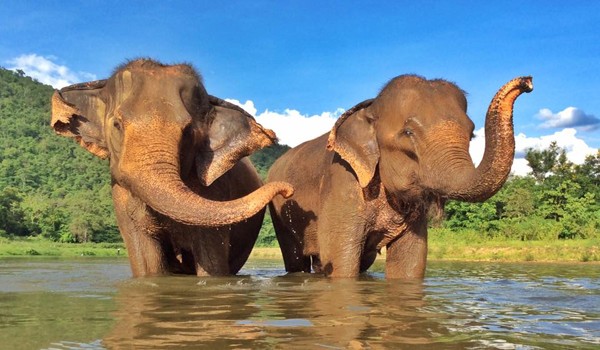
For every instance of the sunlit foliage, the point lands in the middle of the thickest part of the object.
(51, 186)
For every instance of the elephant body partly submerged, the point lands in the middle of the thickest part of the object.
(166, 245)
(186, 199)
(372, 180)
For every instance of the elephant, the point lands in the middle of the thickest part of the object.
(186, 198)
(386, 166)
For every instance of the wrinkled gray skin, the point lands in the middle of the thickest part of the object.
(186, 199)
(370, 182)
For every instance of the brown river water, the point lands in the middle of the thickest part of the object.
(92, 303)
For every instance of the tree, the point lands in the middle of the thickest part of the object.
(577, 214)
(266, 237)
(12, 217)
(587, 175)
(516, 200)
(482, 217)
(519, 204)
(264, 158)
(547, 161)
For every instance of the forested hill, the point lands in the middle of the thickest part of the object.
(49, 185)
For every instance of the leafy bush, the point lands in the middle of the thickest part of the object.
(531, 229)
(32, 252)
(266, 237)
(66, 237)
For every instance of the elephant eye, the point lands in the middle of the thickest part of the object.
(407, 132)
(117, 124)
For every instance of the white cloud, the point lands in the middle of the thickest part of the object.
(291, 126)
(570, 117)
(567, 138)
(45, 71)
(248, 106)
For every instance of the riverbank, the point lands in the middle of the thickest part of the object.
(34, 246)
(446, 249)
(510, 251)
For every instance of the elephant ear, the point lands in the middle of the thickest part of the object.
(353, 138)
(78, 112)
(232, 135)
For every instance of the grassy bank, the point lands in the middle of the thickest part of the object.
(34, 246)
(441, 247)
(514, 251)
(474, 246)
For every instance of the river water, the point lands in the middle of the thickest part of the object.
(94, 304)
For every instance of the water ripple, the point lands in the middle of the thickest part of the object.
(457, 306)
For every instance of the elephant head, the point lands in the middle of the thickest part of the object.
(162, 132)
(416, 134)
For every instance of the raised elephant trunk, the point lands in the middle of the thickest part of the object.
(158, 183)
(479, 184)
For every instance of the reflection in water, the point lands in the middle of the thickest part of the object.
(62, 305)
(253, 311)
(57, 303)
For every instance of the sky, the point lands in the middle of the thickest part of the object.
(297, 65)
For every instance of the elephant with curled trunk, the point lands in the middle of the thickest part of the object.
(371, 181)
(186, 199)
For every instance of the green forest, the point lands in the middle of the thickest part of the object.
(52, 188)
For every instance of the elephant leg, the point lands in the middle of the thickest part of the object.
(368, 258)
(242, 239)
(341, 256)
(211, 252)
(291, 247)
(316, 264)
(406, 257)
(140, 233)
(341, 243)
(341, 229)
(370, 250)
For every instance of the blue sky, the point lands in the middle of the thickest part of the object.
(297, 64)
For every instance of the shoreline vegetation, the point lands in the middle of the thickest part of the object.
(557, 251)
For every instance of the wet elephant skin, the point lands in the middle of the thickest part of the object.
(186, 198)
(387, 164)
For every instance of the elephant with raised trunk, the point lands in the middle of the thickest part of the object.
(186, 198)
(372, 180)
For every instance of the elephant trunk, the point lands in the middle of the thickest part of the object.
(479, 184)
(155, 177)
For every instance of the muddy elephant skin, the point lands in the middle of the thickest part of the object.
(186, 198)
(371, 182)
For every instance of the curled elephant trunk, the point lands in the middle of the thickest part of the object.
(172, 198)
(479, 184)
(159, 184)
